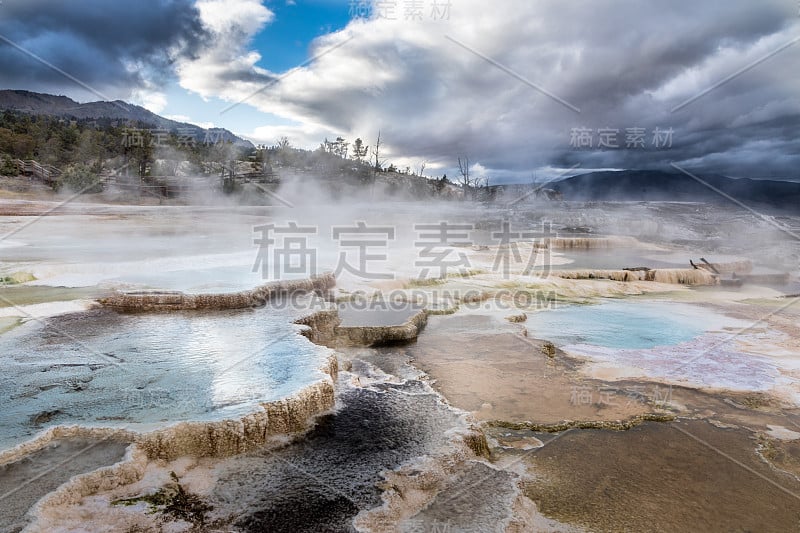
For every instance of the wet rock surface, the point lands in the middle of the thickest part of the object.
(24, 482)
(323, 481)
(375, 327)
(477, 499)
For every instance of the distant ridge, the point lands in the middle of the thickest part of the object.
(656, 185)
(61, 106)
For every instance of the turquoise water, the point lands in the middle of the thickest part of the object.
(623, 324)
(103, 368)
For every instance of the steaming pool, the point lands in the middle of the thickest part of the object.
(102, 368)
(674, 342)
(626, 324)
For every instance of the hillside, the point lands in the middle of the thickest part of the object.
(61, 106)
(653, 185)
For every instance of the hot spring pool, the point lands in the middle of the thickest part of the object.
(672, 342)
(625, 324)
(101, 368)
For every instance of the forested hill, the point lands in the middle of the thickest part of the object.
(117, 111)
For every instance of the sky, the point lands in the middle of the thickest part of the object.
(526, 89)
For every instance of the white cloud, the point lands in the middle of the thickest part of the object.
(178, 118)
(228, 17)
(188, 120)
(303, 135)
(152, 100)
(225, 65)
(478, 171)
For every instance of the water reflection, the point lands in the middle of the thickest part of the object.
(101, 367)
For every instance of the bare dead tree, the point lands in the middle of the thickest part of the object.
(378, 165)
(463, 169)
(466, 181)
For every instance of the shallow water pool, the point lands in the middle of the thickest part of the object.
(104, 368)
(372, 314)
(624, 324)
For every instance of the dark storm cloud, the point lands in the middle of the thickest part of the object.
(108, 45)
(623, 63)
(639, 46)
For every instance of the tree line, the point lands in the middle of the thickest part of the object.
(100, 144)
(84, 148)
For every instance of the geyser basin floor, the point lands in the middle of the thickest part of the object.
(485, 366)
(482, 364)
(686, 476)
(140, 370)
(519, 380)
(652, 477)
